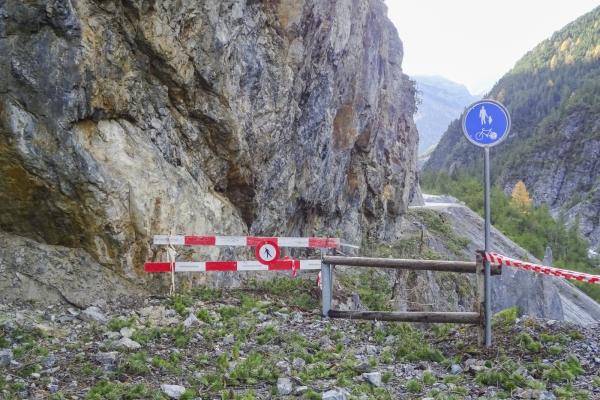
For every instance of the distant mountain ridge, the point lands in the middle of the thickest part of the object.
(442, 100)
(553, 96)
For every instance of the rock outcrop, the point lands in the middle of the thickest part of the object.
(122, 119)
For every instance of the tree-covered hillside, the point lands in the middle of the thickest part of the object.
(553, 96)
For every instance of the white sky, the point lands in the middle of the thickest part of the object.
(475, 42)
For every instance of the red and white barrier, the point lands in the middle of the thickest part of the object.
(246, 241)
(579, 276)
(280, 265)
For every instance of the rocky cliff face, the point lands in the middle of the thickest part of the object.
(121, 119)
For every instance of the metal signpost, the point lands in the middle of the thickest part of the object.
(485, 124)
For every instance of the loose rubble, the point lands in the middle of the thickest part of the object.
(233, 345)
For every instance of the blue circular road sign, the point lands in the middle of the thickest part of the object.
(486, 123)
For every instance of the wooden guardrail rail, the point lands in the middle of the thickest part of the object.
(476, 317)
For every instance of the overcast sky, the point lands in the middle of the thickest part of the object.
(475, 42)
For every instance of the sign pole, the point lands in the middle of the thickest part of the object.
(488, 286)
(485, 124)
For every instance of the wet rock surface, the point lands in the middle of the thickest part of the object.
(530, 358)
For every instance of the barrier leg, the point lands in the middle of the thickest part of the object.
(327, 288)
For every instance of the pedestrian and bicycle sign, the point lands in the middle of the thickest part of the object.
(486, 123)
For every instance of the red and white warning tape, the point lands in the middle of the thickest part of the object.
(246, 241)
(281, 265)
(579, 276)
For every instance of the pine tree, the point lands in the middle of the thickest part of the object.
(520, 198)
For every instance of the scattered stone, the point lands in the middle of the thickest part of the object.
(112, 335)
(153, 313)
(329, 349)
(173, 391)
(63, 319)
(455, 369)
(470, 361)
(547, 396)
(333, 395)
(371, 350)
(262, 317)
(324, 342)
(126, 332)
(300, 390)
(298, 363)
(190, 321)
(92, 314)
(50, 371)
(107, 359)
(284, 385)
(363, 366)
(48, 331)
(284, 367)
(52, 387)
(101, 303)
(229, 339)
(35, 375)
(126, 342)
(50, 360)
(530, 394)
(373, 378)
(170, 321)
(6, 357)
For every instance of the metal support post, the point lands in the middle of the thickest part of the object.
(480, 301)
(488, 286)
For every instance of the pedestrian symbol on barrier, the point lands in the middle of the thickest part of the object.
(486, 123)
(267, 252)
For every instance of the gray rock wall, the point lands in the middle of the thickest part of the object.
(122, 119)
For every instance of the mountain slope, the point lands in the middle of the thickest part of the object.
(441, 102)
(552, 95)
(535, 294)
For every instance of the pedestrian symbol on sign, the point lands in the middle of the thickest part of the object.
(486, 123)
(267, 252)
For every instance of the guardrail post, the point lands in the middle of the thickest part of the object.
(480, 300)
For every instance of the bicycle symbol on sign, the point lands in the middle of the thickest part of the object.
(489, 133)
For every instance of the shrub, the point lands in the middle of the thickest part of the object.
(414, 386)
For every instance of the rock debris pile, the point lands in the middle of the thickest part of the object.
(209, 344)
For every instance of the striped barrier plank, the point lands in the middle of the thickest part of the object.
(246, 241)
(281, 265)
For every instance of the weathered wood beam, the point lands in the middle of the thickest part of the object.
(439, 317)
(465, 267)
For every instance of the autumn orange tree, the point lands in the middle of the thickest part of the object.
(520, 198)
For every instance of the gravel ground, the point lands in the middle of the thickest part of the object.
(250, 344)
